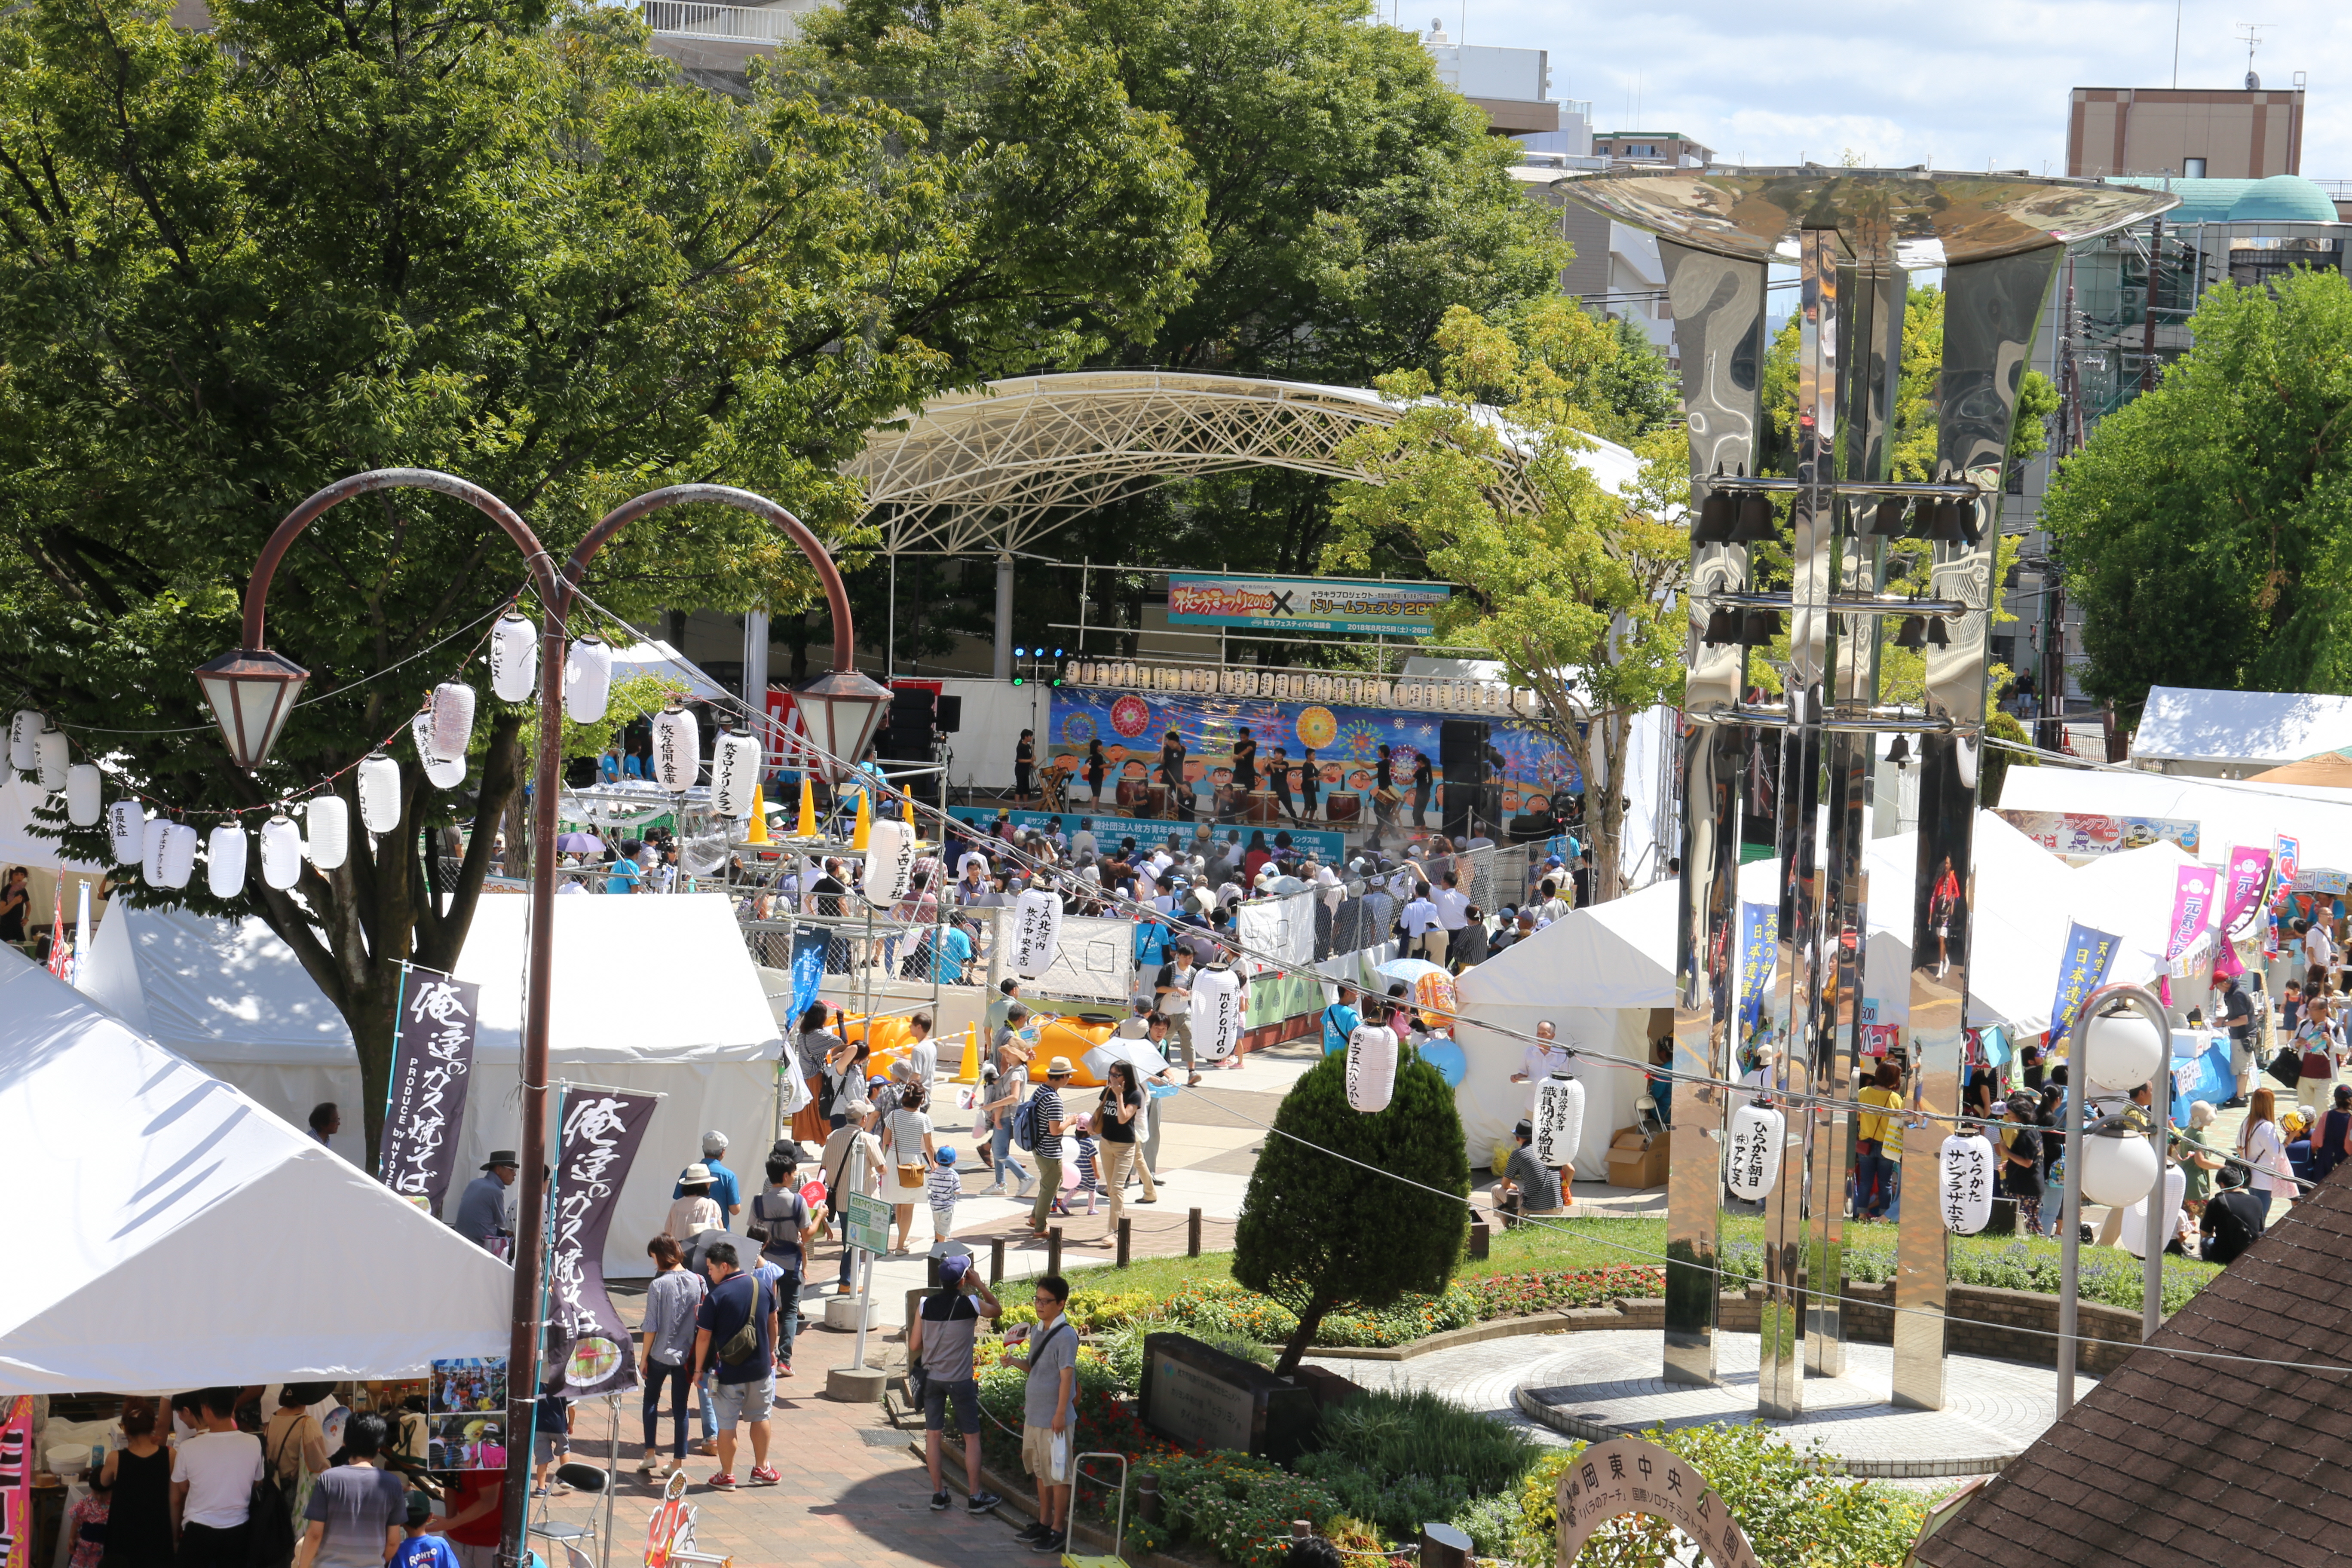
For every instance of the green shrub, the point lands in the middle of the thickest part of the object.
(1489, 1522)
(1122, 1349)
(1390, 1436)
(1396, 1506)
(1237, 1507)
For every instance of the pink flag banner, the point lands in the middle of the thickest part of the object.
(2192, 912)
(2248, 874)
(2288, 860)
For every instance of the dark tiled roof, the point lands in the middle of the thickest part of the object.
(2180, 1459)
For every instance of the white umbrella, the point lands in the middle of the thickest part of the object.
(1140, 1055)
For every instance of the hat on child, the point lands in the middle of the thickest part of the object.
(946, 1156)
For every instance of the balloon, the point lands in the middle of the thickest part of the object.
(1453, 1064)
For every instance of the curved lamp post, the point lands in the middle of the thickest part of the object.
(252, 690)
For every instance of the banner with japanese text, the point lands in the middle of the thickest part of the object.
(2082, 971)
(431, 1062)
(2193, 913)
(1759, 937)
(600, 1131)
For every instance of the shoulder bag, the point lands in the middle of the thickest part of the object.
(910, 1172)
(269, 1540)
(744, 1342)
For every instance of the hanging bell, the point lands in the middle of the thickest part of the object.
(1913, 634)
(1755, 525)
(1899, 753)
(1888, 519)
(1759, 627)
(1947, 522)
(1722, 627)
(1936, 634)
(1716, 516)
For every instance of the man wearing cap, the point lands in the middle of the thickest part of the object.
(482, 1211)
(725, 1190)
(940, 1341)
(1174, 989)
(1051, 1125)
(1526, 1187)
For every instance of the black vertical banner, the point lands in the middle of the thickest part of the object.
(430, 1064)
(602, 1129)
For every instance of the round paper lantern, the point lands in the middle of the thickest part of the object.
(891, 868)
(453, 720)
(677, 750)
(2121, 1051)
(85, 791)
(1966, 1190)
(52, 755)
(439, 773)
(1216, 1013)
(281, 852)
(1758, 1136)
(379, 781)
(735, 774)
(1452, 1063)
(328, 839)
(23, 729)
(588, 680)
(179, 856)
(126, 825)
(1371, 1068)
(2134, 1220)
(1036, 931)
(1558, 1121)
(225, 853)
(2117, 1172)
(514, 658)
(152, 839)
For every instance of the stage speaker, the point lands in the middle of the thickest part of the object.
(1473, 802)
(1461, 740)
(905, 735)
(951, 714)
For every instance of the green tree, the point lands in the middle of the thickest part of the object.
(1577, 594)
(1316, 1232)
(2206, 528)
(495, 239)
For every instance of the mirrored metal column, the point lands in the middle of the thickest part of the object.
(1780, 1375)
(1718, 305)
(1990, 311)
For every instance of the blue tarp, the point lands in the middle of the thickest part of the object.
(2200, 1070)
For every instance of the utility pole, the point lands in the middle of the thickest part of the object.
(2147, 324)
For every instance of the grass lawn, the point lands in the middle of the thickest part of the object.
(2108, 1274)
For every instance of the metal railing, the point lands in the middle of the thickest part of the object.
(739, 23)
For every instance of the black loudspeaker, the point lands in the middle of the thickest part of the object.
(950, 714)
(1461, 740)
(906, 735)
(1473, 804)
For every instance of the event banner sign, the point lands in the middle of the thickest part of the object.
(2090, 833)
(1343, 745)
(2192, 911)
(1760, 951)
(2288, 863)
(1306, 603)
(600, 1130)
(2249, 872)
(431, 1061)
(1154, 833)
(2083, 971)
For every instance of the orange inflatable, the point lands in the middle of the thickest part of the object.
(1434, 995)
(1068, 1037)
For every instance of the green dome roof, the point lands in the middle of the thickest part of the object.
(2281, 198)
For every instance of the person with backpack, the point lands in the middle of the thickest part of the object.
(851, 1160)
(734, 1340)
(784, 1215)
(1038, 1126)
(357, 1511)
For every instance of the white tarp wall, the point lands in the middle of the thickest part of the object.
(2233, 734)
(2226, 814)
(650, 993)
(1276, 931)
(1095, 961)
(171, 1233)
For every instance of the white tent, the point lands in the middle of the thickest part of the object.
(2233, 734)
(650, 993)
(2226, 814)
(654, 656)
(169, 1233)
(18, 846)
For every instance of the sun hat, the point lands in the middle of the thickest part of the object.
(502, 1157)
(1059, 1068)
(696, 1175)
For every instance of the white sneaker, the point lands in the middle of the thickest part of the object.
(990, 1191)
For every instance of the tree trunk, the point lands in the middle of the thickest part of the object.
(1294, 1350)
(1604, 817)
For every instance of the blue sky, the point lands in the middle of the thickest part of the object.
(1904, 81)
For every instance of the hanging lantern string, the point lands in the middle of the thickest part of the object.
(1055, 876)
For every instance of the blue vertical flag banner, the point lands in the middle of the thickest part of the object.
(808, 968)
(1760, 951)
(2082, 971)
(424, 1107)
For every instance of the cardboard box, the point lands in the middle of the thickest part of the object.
(1637, 1160)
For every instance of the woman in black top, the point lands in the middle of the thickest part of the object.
(1172, 773)
(14, 901)
(1385, 793)
(1115, 1124)
(1422, 780)
(1024, 766)
(1310, 784)
(1097, 765)
(139, 1521)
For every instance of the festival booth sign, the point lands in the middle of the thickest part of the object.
(1626, 1475)
(432, 1067)
(652, 994)
(149, 1169)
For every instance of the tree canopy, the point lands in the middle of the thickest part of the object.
(507, 242)
(2206, 527)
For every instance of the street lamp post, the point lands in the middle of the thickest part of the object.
(252, 690)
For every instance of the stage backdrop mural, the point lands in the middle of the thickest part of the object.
(1343, 742)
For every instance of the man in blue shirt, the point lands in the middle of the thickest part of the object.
(1340, 1020)
(744, 1390)
(954, 950)
(725, 1190)
(623, 875)
(482, 1211)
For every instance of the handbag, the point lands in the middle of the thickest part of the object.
(909, 1171)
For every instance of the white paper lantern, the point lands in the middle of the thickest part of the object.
(735, 774)
(452, 730)
(2121, 1051)
(1036, 931)
(588, 680)
(85, 794)
(1216, 1013)
(179, 856)
(1371, 1068)
(890, 865)
(225, 853)
(281, 852)
(1753, 1165)
(439, 773)
(379, 782)
(514, 658)
(2118, 1171)
(23, 729)
(126, 825)
(152, 839)
(327, 841)
(1966, 1192)
(677, 750)
(1559, 1119)
(53, 756)
(2134, 1220)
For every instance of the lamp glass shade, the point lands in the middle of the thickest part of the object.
(224, 859)
(251, 692)
(2122, 1050)
(842, 710)
(1371, 1068)
(514, 658)
(85, 789)
(2117, 1172)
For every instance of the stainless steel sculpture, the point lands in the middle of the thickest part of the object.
(1853, 236)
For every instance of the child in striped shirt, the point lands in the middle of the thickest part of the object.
(1089, 1182)
(944, 1186)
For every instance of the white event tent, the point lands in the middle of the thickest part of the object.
(169, 1233)
(1600, 972)
(18, 846)
(2226, 814)
(649, 993)
(2187, 730)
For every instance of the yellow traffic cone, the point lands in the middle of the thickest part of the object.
(865, 829)
(971, 1073)
(807, 826)
(758, 834)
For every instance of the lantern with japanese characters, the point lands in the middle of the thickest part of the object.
(735, 776)
(1559, 1118)
(23, 729)
(677, 750)
(514, 658)
(379, 785)
(53, 755)
(329, 840)
(1752, 1165)
(1036, 927)
(281, 852)
(1371, 1068)
(890, 867)
(440, 772)
(171, 858)
(126, 826)
(1965, 1192)
(452, 730)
